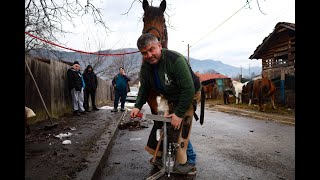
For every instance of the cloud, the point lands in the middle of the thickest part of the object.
(214, 29)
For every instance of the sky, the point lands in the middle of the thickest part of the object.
(223, 30)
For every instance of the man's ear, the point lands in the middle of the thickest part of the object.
(159, 44)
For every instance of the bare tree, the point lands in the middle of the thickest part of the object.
(96, 61)
(128, 62)
(45, 18)
(257, 1)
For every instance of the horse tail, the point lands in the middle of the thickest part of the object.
(250, 90)
(271, 88)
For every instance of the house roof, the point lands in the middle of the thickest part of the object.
(207, 76)
(266, 40)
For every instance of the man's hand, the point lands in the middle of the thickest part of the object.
(175, 121)
(134, 112)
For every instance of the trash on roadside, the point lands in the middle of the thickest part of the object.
(61, 135)
(66, 142)
(72, 128)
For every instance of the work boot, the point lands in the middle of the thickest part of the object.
(76, 113)
(95, 109)
(185, 169)
(87, 110)
(83, 112)
(122, 109)
(114, 110)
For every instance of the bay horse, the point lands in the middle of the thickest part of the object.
(154, 23)
(264, 88)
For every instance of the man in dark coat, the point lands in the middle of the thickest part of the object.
(91, 81)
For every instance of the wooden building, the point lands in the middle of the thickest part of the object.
(277, 55)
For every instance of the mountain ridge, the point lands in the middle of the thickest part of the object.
(197, 65)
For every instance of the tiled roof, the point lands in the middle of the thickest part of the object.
(207, 76)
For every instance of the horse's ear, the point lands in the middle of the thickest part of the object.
(145, 5)
(163, 5)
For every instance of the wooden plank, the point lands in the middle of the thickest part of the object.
(280, 54)
(284, 48)
(292, 49)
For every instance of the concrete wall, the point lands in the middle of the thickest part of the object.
(51, 79)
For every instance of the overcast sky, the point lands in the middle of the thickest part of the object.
(213, 28)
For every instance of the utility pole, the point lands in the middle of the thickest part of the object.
(188, 55)
(240, 74)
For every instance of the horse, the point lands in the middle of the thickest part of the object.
(247, 89)
(262, 89)
(237, 90)
(208, 87)
(154, 23)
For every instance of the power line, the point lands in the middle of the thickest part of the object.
(221, 23)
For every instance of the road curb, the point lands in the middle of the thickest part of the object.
(98, 158)
(256, 115)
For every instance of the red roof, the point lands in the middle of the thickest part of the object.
(207, 76)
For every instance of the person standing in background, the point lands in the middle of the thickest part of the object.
(121, 87)
(91, 84)
(76, 87)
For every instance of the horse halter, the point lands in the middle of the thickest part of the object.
(160, 39)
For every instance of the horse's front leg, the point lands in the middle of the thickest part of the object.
(237, 98)
(152, 102)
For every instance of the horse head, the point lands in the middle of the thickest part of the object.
(154, 21)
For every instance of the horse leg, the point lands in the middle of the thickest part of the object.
(152, 102)
(272, 101)
(237, 98)
(249, 102)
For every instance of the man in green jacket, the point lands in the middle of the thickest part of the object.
(168, 72)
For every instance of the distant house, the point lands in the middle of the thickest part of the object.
(277, 54)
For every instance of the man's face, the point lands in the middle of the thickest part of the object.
(121, 71)
(89, 69)
(151, 53)
(76, 67)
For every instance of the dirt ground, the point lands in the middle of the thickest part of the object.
(280, 110)
(47, 158)
(45, 155)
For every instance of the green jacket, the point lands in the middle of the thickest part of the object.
(175, 78)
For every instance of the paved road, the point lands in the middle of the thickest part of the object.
(228, 147)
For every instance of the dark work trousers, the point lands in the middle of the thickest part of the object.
(92, 93)
(122, 95)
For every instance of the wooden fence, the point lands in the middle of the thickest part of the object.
(51, 79)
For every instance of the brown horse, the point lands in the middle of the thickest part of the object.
(208, 87)
(154, 23)
(262, 89)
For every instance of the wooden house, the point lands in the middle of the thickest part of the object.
(277, 55)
